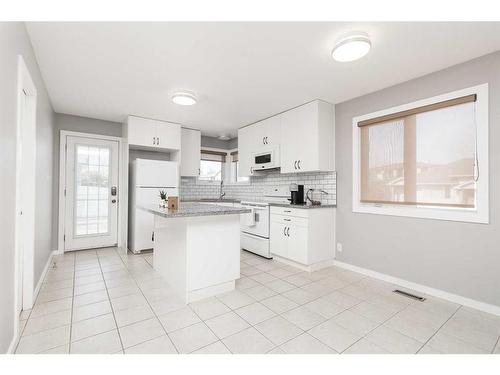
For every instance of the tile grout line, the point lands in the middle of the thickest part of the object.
(110, 304)
(495, 346)
(439, 329)
(370, 331)
(149, 304)
(72, 303)
(21, 334)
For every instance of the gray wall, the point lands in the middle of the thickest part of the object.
(76, 124)
(214, 142)
(460, 258)
(14, 41)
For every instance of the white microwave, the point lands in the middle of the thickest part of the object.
(268, 158)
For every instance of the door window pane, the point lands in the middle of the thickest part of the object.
(91, 194)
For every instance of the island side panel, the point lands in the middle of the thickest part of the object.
(213, 244)
(169, 255)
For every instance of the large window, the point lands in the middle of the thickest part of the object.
(212, 165)
(425, 159)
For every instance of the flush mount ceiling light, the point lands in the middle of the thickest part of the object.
(224, 137)
(351, 47)
(184, 98)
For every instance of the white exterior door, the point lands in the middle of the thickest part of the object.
(91, 203)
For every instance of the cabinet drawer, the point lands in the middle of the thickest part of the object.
(290, 211)
(290, 220)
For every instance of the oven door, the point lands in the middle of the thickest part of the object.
(256, 222)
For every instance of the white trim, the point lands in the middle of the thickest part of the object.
(307, 268)
(122, 199)
(24, 256)
(478, 215)
(44, 273)
(15, 339)
(198, 294)
(455, 298)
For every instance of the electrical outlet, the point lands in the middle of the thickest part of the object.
(339, 247)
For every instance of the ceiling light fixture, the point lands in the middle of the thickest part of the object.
(184, 98)
(351, 47)
(224, 137)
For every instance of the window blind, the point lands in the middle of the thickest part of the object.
(424, 156)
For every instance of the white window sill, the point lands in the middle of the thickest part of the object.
(434, 213)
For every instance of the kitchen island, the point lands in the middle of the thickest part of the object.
(197, 248)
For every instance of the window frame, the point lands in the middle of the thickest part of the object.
(479, 214)
(223, 169)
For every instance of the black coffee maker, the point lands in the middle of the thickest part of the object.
(296, 194)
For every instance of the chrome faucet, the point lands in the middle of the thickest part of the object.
(221, 193)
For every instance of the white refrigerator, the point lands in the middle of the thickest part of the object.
(146, 179)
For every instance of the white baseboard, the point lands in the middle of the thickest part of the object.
(13, 344)
(455, 298)
(42, 276)
(15, 339)
(307, 268)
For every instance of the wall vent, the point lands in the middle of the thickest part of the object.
(409, 295)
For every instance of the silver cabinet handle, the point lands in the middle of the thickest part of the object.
(251, 170)
(284, 231)
(298, 164)
(154, 141)
(295, 164)
(158, 141)
(287, 219)
(288, 231)
(263, 140)
(287, 211)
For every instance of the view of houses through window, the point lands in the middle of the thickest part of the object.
(422, 159)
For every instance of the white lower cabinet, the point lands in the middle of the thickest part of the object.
(303, 236)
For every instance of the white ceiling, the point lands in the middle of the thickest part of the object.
(241, 72)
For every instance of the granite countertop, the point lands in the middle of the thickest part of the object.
(212, 200)
(302, 206)
(193, 209)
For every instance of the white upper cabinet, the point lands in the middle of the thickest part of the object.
(305, 136)
(271, 130)
(190, 152)
(245, 150)
(308, 138)
(254, 138)
(150, 133)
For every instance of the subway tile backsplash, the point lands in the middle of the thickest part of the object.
(327, 181)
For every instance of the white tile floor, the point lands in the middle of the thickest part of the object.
(106, 302)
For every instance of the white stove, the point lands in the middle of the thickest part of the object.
(255, 225)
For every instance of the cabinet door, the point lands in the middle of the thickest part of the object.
(190, 152)
(256, 135)
(141, 132)
(297, 243)
(245, 152)
(306, 128)
(289, 141)
(278, 239)
(272, 130)
(168, 135)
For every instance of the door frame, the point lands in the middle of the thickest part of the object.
(122, 198)
(24, 256)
